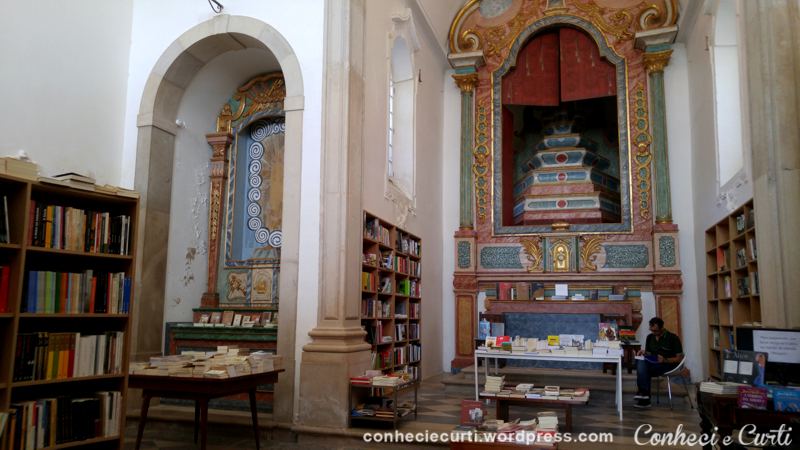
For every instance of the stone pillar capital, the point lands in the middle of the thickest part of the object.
(466, 82)
(655, 62)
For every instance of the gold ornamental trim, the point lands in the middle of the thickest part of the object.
(618, 23)
(657, 61)
(465, 41)
(643, 157)
(482, 161)
(655, 17)
(466, 82)
(534, 253)
(590, 248)
(258, 94)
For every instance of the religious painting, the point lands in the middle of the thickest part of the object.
(236, 287)
(561, 158)
(261, 292)
(253, 233)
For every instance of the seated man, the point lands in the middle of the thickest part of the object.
(662, 352)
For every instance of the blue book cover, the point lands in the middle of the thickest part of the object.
(786, 400)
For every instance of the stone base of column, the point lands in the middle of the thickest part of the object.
(210, 300)
(324, 387)
(459, 362)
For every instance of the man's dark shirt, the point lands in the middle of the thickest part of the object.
(668, 346)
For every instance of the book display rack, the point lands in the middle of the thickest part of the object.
(390, 296)
(732, 285)
(67, 267)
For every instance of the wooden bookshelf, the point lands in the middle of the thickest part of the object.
(391, 303)
(45, 319)
(732, 284)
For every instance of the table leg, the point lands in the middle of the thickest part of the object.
(142, 418)
(203, 422)
(196, 420)
(254, 414)
(568, 414)
(619, 388)
(476, 374)
(501, 411)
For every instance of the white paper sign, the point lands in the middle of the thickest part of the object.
(745, 368)
(731, 366)
(782, 346)
(562, 289)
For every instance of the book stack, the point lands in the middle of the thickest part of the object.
(264, 362)
(551, 392)
(547, 422)
(386, 380)
(19, 168)
(494, 384)
(720, 387)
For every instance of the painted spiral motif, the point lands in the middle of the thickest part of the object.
(255, 167)
(256, 150)
(255, 181)
(254, 223)
(262, 235)
(276, 238)
(253, 209)
(254, 195)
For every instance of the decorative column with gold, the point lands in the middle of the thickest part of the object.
(667, 279)
(219, 142)
(465, 284)
(656, 57)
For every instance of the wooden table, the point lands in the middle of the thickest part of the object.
(201, 390)
(552, 357)
(504, 402)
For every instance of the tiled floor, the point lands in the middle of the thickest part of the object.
(438, 411)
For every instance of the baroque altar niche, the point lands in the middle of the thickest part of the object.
(246, 208)
(558, 159)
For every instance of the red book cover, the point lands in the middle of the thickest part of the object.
(500, 339)
(92, 294)
(473, 412)
(5, 274)
(751, 397)
(31, 219)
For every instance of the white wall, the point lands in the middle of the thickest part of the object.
(710, 201)
(156, 25)
(426, 222)
(451, 176)
(693, 309)
(187, 256)
(62, 80)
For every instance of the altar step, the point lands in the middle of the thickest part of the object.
(464, 382)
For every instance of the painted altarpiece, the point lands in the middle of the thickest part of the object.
(525, 188)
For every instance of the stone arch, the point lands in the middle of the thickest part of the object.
(162, 95)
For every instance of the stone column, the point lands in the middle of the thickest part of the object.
(465, 282)
(656, 57)
(338, 349)
(466, 83)
(219, 142)
(772, 49)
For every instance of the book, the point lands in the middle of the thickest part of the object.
(553, 340)
(5, 233)
(606, 332)
(740, 366)
(473, 412)
(72, 176)
(786, 400)
(751, 397)
(227, 318)
(215, 318)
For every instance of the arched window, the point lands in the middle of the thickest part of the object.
(724, 53)
(401, 102)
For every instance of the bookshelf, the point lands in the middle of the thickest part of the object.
(391, 300)
(732, 284)
(64, 313)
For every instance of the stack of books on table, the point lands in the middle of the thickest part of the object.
(494, 384)
(551, 392)
(387, 380)
(720, 387)
(547, 422)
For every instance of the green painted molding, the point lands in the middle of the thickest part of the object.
(659, 146)
(465, 200)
